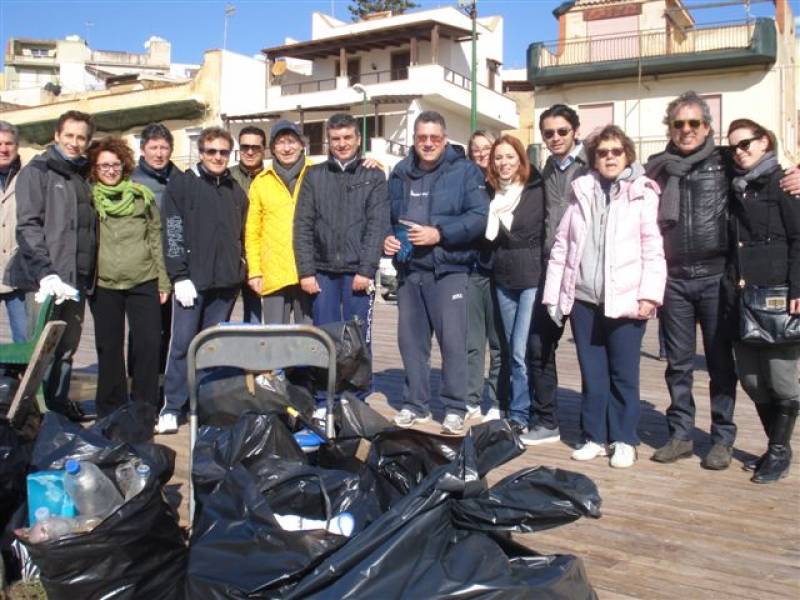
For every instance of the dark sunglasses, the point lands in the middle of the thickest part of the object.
(214, 151)
(561, 131)
(693, 123)
(604, 152)
(744, 145)
(245, 148)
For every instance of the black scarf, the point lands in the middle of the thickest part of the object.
(290, 175)
(676, 167)
(160, 175)
(7, 176)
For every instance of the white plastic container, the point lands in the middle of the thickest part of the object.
(94, 494)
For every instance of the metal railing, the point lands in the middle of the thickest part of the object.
(645, 44)
(371, 77)
(457, 78)
(396, 148)
(306, 87)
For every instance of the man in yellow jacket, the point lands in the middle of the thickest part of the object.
(272, 272)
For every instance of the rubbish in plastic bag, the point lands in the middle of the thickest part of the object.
(27, 571)
(132, 423)
(425, 524)
(353, 358)
(341, 524)
(92, 491)
(139, 551)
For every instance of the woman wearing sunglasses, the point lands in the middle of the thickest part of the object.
(766, 232)
(131, 279)
(607, 272)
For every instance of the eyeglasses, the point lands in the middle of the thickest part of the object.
(561, 131)
(744, 145)
(693, 123)
(245, 148)
(604, 152)
(433, 139)
(109, 167)
(223, 152)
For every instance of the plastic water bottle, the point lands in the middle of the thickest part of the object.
(94, 494)
(341, 524)
(138, 481)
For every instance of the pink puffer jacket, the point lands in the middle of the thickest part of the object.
(634, 254)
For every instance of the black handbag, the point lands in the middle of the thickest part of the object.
(764, 318)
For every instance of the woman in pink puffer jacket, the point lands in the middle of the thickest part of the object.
(607, 271)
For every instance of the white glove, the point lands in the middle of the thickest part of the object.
(185, 293)
(555, 314)
(53, 286)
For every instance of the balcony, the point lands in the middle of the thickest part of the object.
(652, 53)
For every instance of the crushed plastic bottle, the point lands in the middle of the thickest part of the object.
(139, 481)
(125, 474)
(341, 524)
(94, 494)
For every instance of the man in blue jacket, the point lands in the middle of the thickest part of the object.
(438, 210)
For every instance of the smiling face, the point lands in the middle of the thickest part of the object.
(610, 159)
(429, 143)
(687, 129)
(479, 149)
(214, 155)
(747, 148)
(558, 135)
(343, 143)
(73, 138)
(108, 168)
(287, 148)
(506, 162)
(156, 153)
(251, 151)
(9, 150)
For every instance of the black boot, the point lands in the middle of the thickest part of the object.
(776, 462)
(765, 416)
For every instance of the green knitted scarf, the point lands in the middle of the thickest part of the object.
(118, 200)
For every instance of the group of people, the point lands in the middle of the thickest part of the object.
(487, 248)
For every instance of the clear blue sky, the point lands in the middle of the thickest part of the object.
(193, 26)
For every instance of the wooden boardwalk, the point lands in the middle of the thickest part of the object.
(667, 531)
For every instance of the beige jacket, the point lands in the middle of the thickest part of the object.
(8, 227)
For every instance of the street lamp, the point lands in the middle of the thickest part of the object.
(471, 8)
(360, 89)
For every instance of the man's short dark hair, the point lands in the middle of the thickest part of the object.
(76, 115)
(212, 133)
(156, 131)
(6, 127)
(430, 116)
(341, 120)
(563, 111)
(253, 130)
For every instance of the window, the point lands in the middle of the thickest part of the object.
(315, 134)
(715, 104)
(40, 52)
(353, 70)
(399, 65)
(593, 116)
(613, 39)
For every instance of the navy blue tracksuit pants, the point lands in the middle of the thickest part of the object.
(608, 355)
(426, 305)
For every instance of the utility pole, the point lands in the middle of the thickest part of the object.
(230, 10)
(471, 8)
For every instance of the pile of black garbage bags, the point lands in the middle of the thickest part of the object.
(423, 522)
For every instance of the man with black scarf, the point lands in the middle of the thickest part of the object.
(57, 237)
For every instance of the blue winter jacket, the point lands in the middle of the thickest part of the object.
(458, 206)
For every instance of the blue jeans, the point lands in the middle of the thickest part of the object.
(17, 315)
(516, 311)
(608, 355)
(337, 301)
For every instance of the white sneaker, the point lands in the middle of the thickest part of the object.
(167, 423)
(492, 415)
(407, 418)
(624, 455)
(589, 451)
(472, 411)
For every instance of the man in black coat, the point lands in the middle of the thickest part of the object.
(341, 217)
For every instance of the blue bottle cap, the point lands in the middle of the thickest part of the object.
(73, 467)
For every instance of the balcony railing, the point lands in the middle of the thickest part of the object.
(307, 87)
(646, 44)
(371, 77)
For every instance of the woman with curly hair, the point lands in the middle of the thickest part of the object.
(131, 279)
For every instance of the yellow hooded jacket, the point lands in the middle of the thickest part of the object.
(268, 231)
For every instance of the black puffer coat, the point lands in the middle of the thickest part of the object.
(697, 245)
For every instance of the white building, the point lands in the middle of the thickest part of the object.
(401, 64)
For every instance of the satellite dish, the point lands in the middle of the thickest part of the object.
(279, 68)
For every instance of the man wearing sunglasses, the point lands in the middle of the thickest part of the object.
(559, 126)
(438, 208)
(57, 239)
(203, 215)
(252, 146)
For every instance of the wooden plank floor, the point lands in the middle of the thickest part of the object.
(667, 531)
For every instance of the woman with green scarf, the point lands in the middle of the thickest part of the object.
(131, 280)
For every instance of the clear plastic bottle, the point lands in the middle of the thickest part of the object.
(125, 474)
(139, 480)
(94, 494)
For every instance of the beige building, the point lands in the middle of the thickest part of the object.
(622, 61)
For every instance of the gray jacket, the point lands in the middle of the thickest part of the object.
(556, 194)
(49, 192)
(153, 180)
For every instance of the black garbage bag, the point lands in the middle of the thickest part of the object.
(15, 455)
(139, 551)
(132, 423)
(223, 395)
(443, 540)
(353, 359)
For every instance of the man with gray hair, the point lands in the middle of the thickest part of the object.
(694, 175)
(10, 164)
